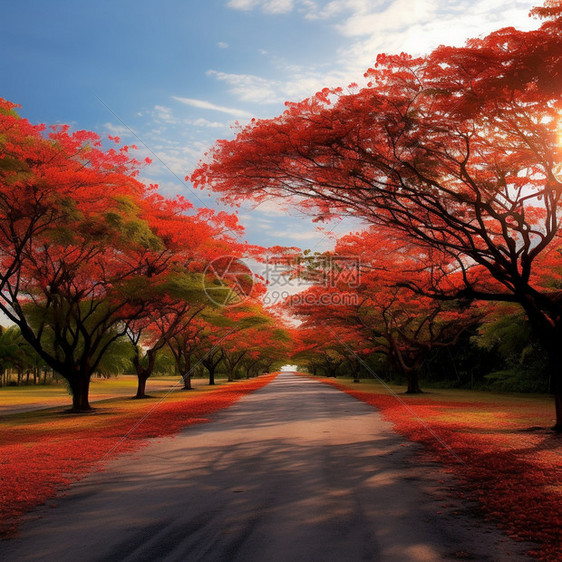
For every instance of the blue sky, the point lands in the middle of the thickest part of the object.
(172, 76)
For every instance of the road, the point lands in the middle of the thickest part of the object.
(297, 471)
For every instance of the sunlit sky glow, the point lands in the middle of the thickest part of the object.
(173, 76)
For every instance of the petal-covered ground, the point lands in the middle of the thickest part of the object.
(43, 452)
(496, 445)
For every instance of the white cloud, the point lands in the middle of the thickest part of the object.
(250, 88)
(202, 104)
(294, 235)
(303, 83)
(268, 6)
(163, 113)
(243, 4)
(370, 27)
(205, 123)
(116, 130)
(272, 208)
(222, 45)
(418, 27)
(278, 6)
(398, 16)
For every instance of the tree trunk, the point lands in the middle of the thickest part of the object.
(549, 332)
(211, 375)
(413, 383)
(409, 369)
(554, 357)
(558, 408)
(80, 388)
(554, 364)
(186, 375)
(355, 365)
(143, 373)
(187, 381)
(141, 385)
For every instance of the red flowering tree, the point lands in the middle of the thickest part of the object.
(272, 350)
(171, 310)
(374, 311)
(247, 330)
(185, 343)
(459, 150)
(173, 300)
(81, 240)
(259, 338)
(325, 348)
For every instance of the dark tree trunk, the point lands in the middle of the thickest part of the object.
(187, 381)
(143, 373)
(549, 332)
(356, 366)
(141, 385)
(211, 375)
(80, 388)
(555, 365)
(408, 367)
(186, 375)
(413, 383)
(554, 354)
(211, 362)
(558, 407)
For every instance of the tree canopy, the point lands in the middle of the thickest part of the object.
(458, 150)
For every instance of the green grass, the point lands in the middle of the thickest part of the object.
(56, 395)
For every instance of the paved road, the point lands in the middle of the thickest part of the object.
(296, 471)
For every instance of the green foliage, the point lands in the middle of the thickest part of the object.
(62, 326)
(523, 364)
(187, 286)
(165, 363)
(13, 353)
(509, 336)
(117, 358)
(516, 380)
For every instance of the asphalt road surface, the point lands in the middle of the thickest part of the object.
(296, 471)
